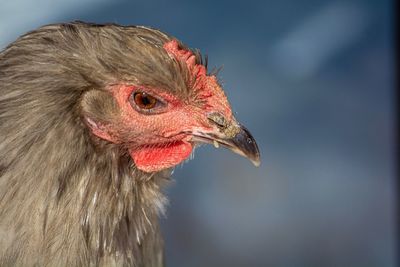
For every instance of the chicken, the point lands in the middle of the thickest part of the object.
(92, 120)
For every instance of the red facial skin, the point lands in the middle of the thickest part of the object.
(164, 137)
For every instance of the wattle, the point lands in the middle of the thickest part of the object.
(157, 157)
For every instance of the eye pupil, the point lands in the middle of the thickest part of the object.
(144, 100)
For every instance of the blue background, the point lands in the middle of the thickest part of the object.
(314, 82)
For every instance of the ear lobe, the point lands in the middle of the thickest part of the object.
(98, 129)
(99, 111)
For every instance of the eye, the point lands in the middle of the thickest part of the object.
(145, 102)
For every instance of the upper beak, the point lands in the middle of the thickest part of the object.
(243, 144)
(232, 136)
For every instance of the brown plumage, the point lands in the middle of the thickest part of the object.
(92, 119)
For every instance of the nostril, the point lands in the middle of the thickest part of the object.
(218, 119)
(228, 129)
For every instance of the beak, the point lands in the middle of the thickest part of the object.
(232, 136)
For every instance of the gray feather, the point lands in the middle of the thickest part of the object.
(68, 198)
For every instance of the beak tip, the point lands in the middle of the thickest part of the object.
(247, 146)
(256, 162)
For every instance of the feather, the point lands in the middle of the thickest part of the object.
(66, 199)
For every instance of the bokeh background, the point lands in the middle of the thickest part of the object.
(314, 82)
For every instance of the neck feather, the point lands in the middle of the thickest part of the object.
(64, 199)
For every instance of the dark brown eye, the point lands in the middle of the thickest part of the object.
(144, 101)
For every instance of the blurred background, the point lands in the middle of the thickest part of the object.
(314, 82)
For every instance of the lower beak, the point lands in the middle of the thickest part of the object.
(238, 139)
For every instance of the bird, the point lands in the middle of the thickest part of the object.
(93, 119)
